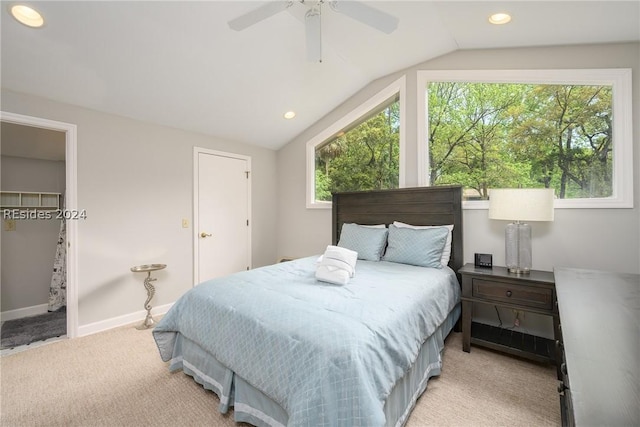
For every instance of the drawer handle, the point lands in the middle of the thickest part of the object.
(509, 294)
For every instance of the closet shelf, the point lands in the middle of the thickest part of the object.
(29, 200)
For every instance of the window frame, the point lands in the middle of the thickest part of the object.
(398, 87)
(618, 78)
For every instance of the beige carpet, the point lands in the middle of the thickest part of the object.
(116, 378)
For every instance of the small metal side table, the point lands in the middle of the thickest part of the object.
(148, 268)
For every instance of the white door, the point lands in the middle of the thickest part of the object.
(222, 208)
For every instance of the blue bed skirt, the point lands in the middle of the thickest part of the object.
(252, 406)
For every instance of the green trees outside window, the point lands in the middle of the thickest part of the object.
(362, 157)
(485, 135)
(494, 135)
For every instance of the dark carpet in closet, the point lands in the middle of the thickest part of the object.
(34, 328)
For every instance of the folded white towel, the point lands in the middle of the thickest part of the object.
(337, 265)
(332, 275)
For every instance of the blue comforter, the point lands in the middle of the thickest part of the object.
(328, 354)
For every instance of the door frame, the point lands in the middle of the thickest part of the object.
(196, 173)
(71, 203)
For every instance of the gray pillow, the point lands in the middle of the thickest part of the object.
(369, 242)
(422, 247)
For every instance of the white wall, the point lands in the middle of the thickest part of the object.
(29, 250)
(135, 182)
(588, 238)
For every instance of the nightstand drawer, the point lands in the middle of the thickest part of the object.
(528, 296)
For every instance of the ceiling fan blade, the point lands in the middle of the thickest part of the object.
(265, 11)
(313, 35)
(367, 15)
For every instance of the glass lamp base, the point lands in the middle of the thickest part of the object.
(516, 270)
(518, 247)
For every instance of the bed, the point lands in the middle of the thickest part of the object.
(283, 348)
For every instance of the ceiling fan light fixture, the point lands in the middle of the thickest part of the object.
(356, 10)
(500, 18)
(27, 16)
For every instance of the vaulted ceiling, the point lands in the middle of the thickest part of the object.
(178, 63)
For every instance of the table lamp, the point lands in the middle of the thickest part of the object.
(520, 205)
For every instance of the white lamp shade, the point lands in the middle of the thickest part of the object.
(521, 204)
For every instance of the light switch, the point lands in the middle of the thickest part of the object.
(9, 225)
(185, 223)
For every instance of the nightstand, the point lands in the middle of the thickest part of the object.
(534, 292)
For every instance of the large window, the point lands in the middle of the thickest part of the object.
(360, 152)
(569, 130)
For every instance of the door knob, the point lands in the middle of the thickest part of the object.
(203, 235)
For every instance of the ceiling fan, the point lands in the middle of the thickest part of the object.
(359, 11)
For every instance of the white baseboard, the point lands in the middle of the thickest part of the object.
(19, 313)
(116, 322)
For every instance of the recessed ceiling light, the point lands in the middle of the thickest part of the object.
(27, 16)
(289, 114)
(499, 18)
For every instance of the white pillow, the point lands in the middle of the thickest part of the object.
(446, 253)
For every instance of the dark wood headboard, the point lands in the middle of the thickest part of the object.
(417, 206)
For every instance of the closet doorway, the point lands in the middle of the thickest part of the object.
(38, 251)
(222, 213)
